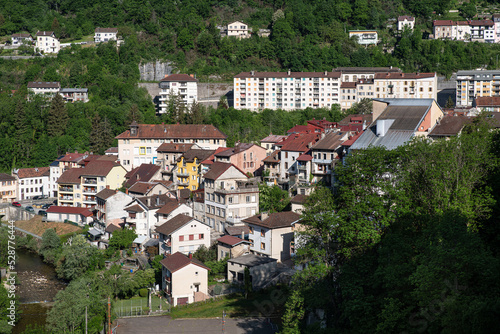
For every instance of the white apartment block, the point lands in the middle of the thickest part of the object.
(139, 144)
(406, 85)
(365, 37)
(473, 84)
(32, 182)
(286, 90)
(105, 34)
(173, 85)
(406, 21)
(47, 42)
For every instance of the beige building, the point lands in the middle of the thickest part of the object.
(237, 29)
(184, 279)
(229, 196)
(406, 85)
(139, 145)
(232, 247)
(286, 90)
(79, 186)
(474, 84)
(183, 234)
(271, 234)
(8, 185)
(47, 42)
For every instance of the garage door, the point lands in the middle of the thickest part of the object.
(182, 301)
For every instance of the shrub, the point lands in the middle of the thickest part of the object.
(143, 292)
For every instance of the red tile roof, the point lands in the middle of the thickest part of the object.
(69, 210)
(199, 154)
(173, 224)
(33, 172)
(178, 261)
(274, 220)
(408, 18)
(112, 227)
(301, 143)
(218, 168)
(175, 131)
(134, 208)
(299, 199)
(72, 175)
(73, 157)
(350, 141)
(168, 207)
(395, 76)
(230, 151)
(488, 101)
(304, 157)
(231, 241)
(174, 147)
(112, 150)
(211, 158)
(98, 168)
(481, 23)
(305, 128)
(179, 78)
(140, 187)
(144, 173)
(6, 177)
(273, 139)
(348, 85)
(44, 33)
(105, 193)
(272, 158)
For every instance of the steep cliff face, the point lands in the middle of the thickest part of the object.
(154, 71)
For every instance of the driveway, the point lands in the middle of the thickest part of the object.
(164, 324)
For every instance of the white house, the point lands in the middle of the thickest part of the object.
(183, 234)
(238, 29)
(22, 38)
(47, 89)
(111, 206)
(105, 34)
(406, 21)
(47, 42)
(365, 37)
(32, 182)
(183, 85)
(82, 216)
(184, 279)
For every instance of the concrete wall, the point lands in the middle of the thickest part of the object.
(15, 213)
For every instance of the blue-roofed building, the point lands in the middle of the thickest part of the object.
(397, 121)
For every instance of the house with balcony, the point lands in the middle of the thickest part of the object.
(79, 186)
(364, 37)
(405, 85)
(139, 145)
(293, 147)
(236, 29)
(232, 247)
(247, 157)
(72, 95)
(184, 234)
(397, 121)
(184, 279)
(325, 154)
(168, 155)
(105, 34)
(47, 42)
(272, 167)
(8, 188)
(183, 87)
(271, 234)
(188, 172)
(32, 182)
(21, 38)
(230, 196)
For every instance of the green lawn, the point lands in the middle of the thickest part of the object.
(267, 303)
(137, 305)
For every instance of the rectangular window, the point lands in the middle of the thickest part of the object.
(262, 245)
(262, 233)
(142, 150)
(191, 237)
(181, 238)
(202, 236)
(248, 199)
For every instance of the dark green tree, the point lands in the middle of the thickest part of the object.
(57, 120)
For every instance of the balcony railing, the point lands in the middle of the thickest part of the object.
(90, 181)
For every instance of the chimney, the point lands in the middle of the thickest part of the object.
(264, 215)
(126, 191)
(289, 72)
(253, 73)
(242, 235)
(326, 73)
(149, 201)
(190, 256)
(107, 187)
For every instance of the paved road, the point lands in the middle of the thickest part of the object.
(163, 324)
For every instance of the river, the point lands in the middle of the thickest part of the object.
(38, 285)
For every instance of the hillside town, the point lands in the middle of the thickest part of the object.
(295, 168)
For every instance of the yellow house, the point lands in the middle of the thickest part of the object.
(189, 169)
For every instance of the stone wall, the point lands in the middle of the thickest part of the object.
(154, 71)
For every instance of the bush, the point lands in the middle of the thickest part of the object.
(143, 292)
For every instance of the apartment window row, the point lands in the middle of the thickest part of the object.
(31, 190)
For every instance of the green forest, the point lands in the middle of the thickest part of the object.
(412, 243)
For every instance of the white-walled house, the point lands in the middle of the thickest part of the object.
(271, 235)
(111, 205)
(238, 29)
(406, 21)
(183, 234)
(173, 85)
(184, 279)
(21, 38)
(105, 34)
(32, 182)
(47, 42)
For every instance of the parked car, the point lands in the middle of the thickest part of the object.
(29, 208)
(46, 206)
(16, 204)
(42, 213)
(37, 205)
(37, 197)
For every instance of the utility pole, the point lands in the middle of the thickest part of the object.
(109, 315)
(86, 320)
(223, 321)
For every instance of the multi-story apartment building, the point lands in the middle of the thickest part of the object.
(22, 38)
(111, 206)
(47, 42)
(354, 74)
(286, 90)
(229, 196)
(105, 34)
(269, 142)
(32, 182)
(189, 168)
(291, 150)
(482, 31)
(183, 85)
(8, 188)
(271, 234)
(325, 153)
(474, 30)
(365, 37)
(140, 144)
(75, 94)
(79, 186)
(348, 95)
(474, 84)
(406, 21)
(247, 157)
(168, 154)
(405, 85)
